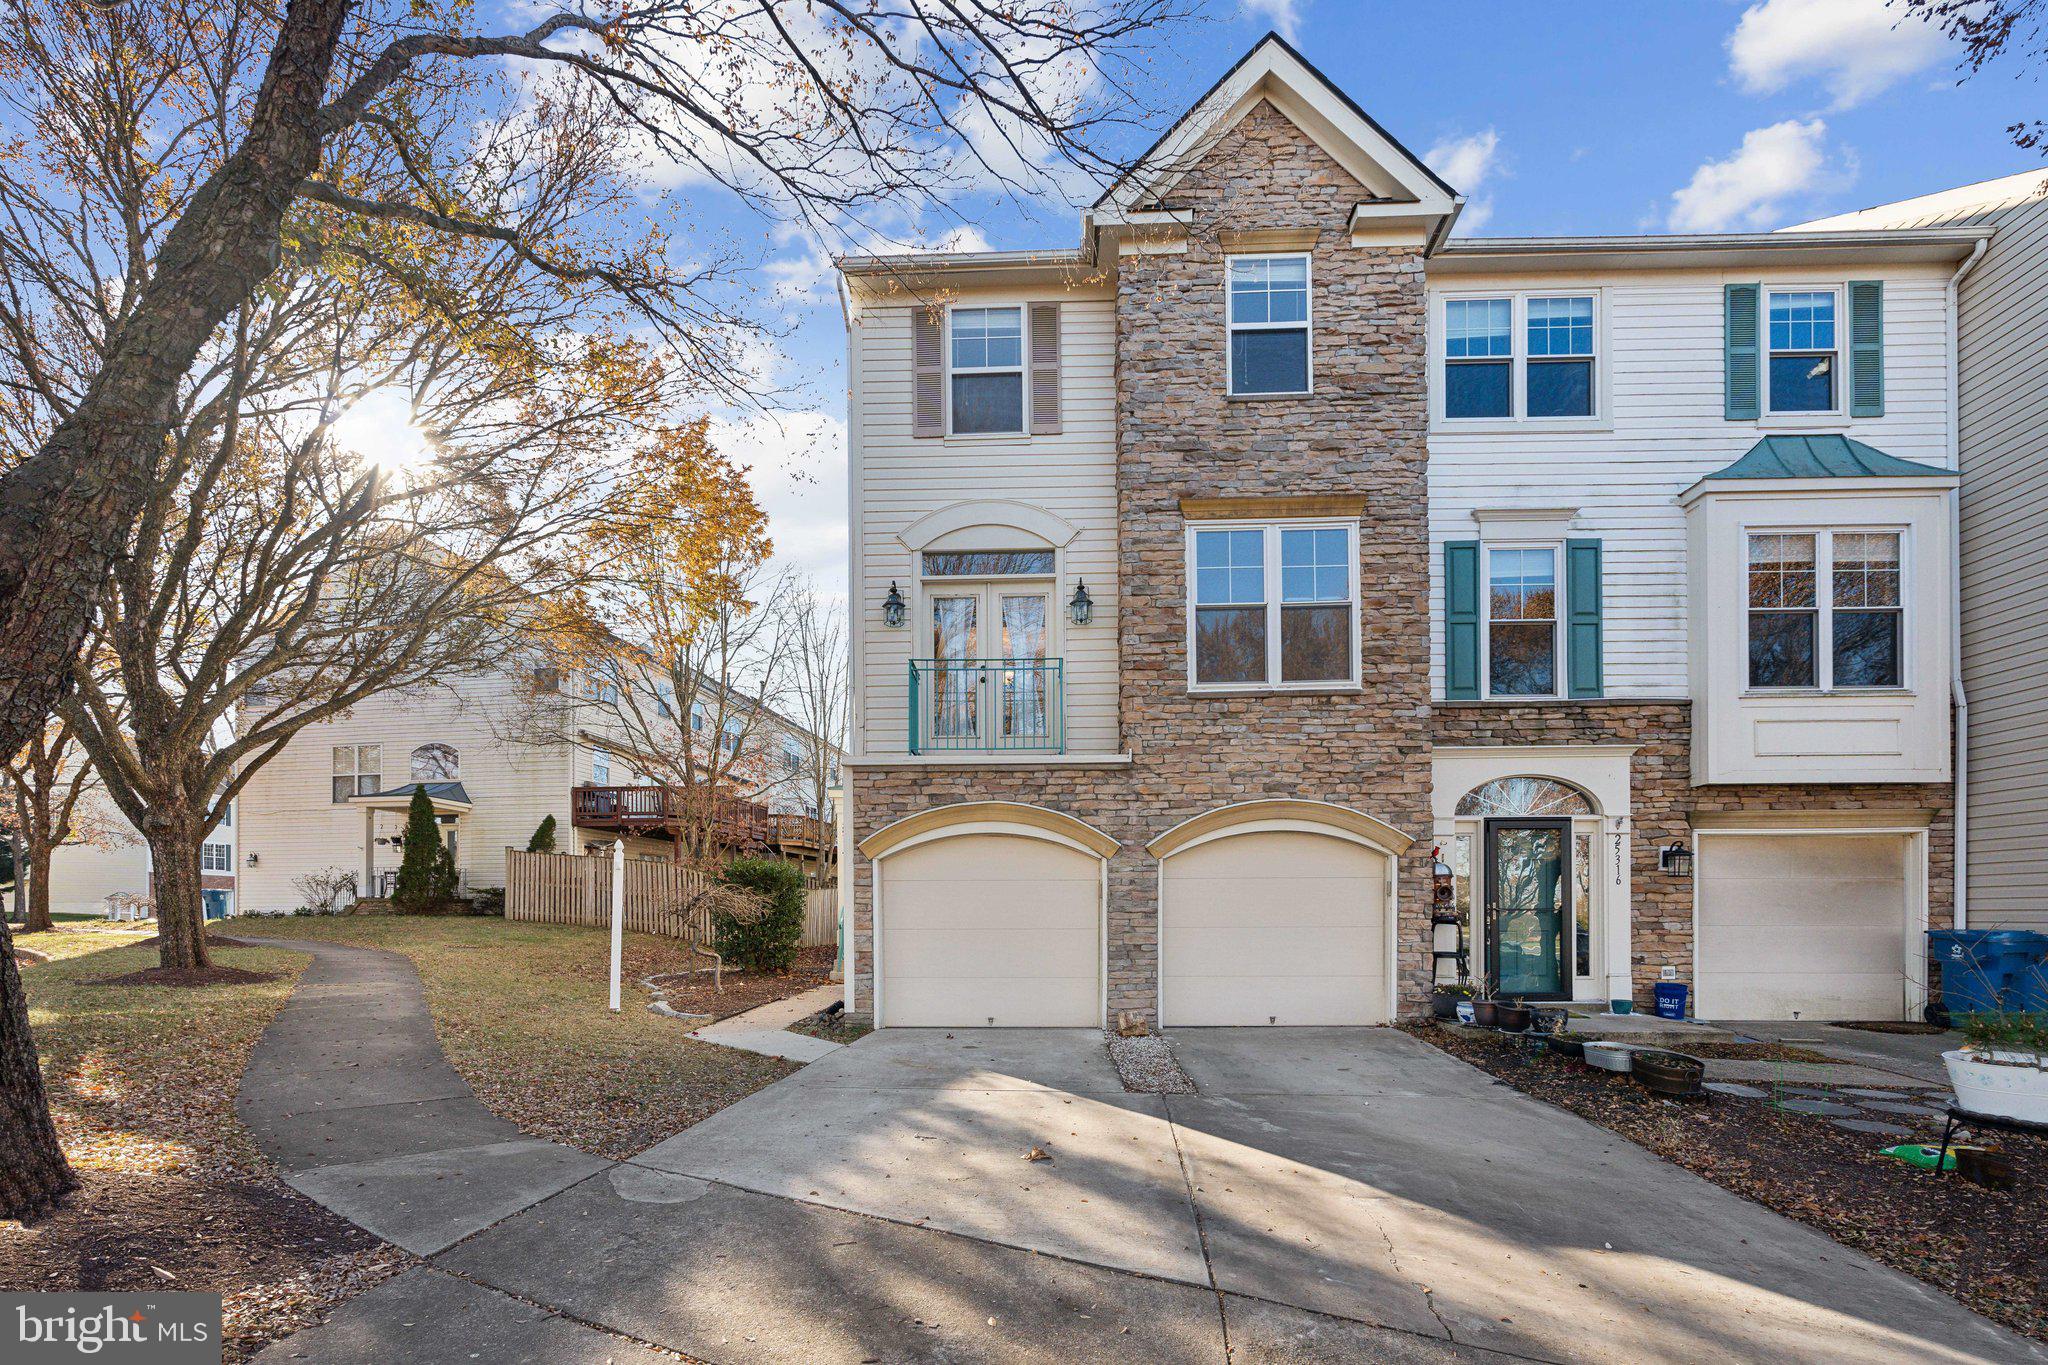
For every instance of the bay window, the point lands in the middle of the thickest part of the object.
(1826, 609)
(1273, 605)
(1268, 322)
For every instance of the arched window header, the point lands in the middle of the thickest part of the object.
(436, 763)
(1525, 796)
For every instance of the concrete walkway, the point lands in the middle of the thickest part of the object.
(765, 1028)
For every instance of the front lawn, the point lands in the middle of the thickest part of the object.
(1987, 1248)
(520, 1009)
(142, 1082)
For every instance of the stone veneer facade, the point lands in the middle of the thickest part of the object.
(1363, 434)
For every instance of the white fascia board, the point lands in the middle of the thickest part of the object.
(1811, 488)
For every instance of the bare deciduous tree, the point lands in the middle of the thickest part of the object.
(58, 800)
(819, 698)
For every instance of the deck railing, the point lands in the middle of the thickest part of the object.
(659, 810)
(988, 706)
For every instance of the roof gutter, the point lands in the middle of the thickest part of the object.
(1960, 906)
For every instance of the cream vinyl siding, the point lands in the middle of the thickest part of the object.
(898, 478)
(1660, 343)
(990, 929)
(1274, 927)
(82, 876)
(290, 822)
(1808, 925)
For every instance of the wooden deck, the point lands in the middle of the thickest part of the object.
(659, 812)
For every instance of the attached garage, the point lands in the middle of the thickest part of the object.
(981, 926)
(1276, 917)
(1816, 926)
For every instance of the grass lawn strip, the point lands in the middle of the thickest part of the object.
(521, 1012)
(174, 1195)
(1988, 1249)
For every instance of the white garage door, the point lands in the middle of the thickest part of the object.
(1273, 928)
(985, 929)
(1812, 925)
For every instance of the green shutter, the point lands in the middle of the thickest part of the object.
(1461, 620)
(1582, 617)
(1739, 361)
(1866, 348)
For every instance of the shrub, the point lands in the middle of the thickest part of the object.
(487, 900)
(419, 883)
(2020, 1032)
(766, 942)
(329, 891)
(543, 840)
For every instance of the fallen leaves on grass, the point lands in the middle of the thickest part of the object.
(693, 992)
(1988, 1249)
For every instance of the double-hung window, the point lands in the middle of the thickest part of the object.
(1521, 621)
(1486, 376)
(1269, 324)
(1804, 359)
(987, 377)
(357, 770)
(1273, 606)
(1825, 609)
(216, 858)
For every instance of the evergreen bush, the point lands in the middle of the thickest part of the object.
(419, 882)
(766, 942)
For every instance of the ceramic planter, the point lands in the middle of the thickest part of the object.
(1483, 1013)
(2006, 1085)
(1444, 1004)
(1514, 1018)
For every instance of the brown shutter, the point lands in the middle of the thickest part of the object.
(1045, 369)
(928, 362)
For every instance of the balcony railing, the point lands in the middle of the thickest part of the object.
(988, 706)
(734, 821)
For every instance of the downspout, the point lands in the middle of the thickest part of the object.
(1960, 910)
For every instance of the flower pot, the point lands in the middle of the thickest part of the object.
(1483, 1013)
(1464, 1011)
(1669, 1073)
(2006, 1085)
(1513, 1018)
(1444, 1004)
(1610, 1056)
(1564, 1045)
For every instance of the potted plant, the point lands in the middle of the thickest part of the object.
(1669, 1073)
(1482, 1005)
(1512, 1015)
(2001, 1070)
(1443, 1001)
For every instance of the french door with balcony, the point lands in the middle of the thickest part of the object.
(989, 674)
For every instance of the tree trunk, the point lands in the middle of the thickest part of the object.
(174, 884)
(33, 1172)
(67, 510)
(38, 858)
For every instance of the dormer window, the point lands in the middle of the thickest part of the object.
(1268, 324)
(987, 371)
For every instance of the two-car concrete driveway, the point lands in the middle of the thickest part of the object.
(1330, 1195)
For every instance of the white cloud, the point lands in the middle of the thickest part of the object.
(1467, 163)
(797, 465)
(1857, 47)
(1283, 15)
(1751, 187)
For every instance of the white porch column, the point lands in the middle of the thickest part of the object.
(1620, 894)
(369, 851)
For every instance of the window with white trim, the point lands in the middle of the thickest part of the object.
(216, 858)
(600, 769)
(1268, 322)
(1804, 357)
(436, 763)
(987, 371)
(357, 770)
(1521, 636)
(1272, 605)
(1826, 609)
(1551, 374)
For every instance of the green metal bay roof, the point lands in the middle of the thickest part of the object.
(1824, 457)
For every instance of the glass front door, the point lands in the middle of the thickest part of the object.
(956, 694)
(1528, 878)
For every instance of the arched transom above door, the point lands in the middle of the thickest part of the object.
(1505, 796)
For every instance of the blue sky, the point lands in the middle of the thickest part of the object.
(1630, 116)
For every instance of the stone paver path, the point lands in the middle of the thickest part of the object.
(765, 1028)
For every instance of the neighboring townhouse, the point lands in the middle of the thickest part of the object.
(93, 877)
(497, 755)
(2002, 325)
(1272, 575)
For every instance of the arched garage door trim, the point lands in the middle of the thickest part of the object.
(1008, 818)
(1319, 818)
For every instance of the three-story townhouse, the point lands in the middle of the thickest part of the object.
(1272, 597)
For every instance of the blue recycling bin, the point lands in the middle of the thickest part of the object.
(1670, 999)
(1991, 969)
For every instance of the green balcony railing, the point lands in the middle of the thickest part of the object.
(995, 706)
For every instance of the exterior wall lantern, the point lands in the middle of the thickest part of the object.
(892, 607)
(1676, 859)
(1082, 609)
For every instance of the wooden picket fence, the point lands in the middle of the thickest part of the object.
(570, 888)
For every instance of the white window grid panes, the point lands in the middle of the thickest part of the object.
(1782, 571)
(1236, 566)
(988, 338)
(1866, 569)
(1313, 565)
(1522, 584)
(1561, 328)
(1230, 568)
(1268, 291)
(1803, 320)
(216, 858)
(1819, 572)
(1479, 329)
